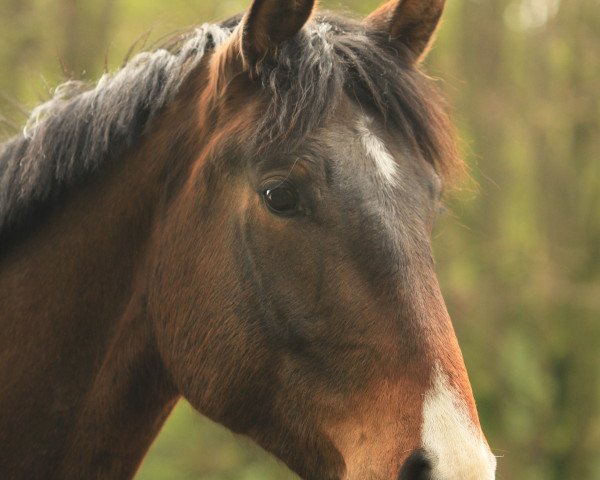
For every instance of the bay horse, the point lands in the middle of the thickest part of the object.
(242, 220)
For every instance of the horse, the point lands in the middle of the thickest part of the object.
(242, 219)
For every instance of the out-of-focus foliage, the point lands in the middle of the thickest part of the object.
(518, 256)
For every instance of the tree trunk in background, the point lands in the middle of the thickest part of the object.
(571, 213)
(523, 280)
(21, 46)
(87, 26)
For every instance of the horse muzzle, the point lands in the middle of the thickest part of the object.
(419, 466)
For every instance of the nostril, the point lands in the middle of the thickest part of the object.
(416, 467)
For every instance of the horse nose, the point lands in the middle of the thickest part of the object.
(422, 466)
(416, 467)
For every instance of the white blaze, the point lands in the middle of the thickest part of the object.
(376, 149)
(453, 443)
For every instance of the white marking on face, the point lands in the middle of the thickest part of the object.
(449, 437)
(376, 149)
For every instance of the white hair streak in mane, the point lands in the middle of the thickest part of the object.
(62, 93)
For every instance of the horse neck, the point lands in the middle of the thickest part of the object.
(83, 388)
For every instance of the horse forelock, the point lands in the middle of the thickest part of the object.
(334, 56)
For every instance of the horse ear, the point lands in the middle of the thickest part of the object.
(409, 23)
(268, 23)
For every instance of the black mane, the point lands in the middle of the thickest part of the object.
(79, 130)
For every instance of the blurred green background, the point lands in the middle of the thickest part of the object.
(518, 254)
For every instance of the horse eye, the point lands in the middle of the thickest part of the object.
(281, 200)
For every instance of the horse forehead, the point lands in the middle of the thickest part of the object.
(370, 162)
(384, 165)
